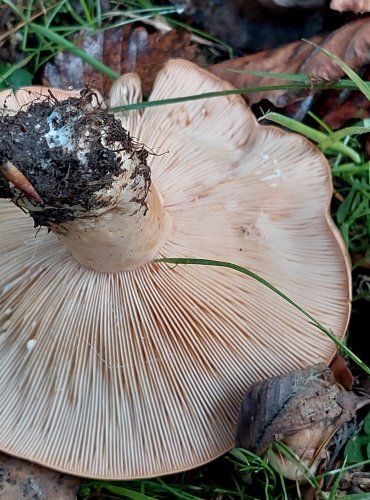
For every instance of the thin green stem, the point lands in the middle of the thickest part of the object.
(342, 84)
(361, 85)
(324, 142)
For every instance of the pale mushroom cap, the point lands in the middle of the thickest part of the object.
(142, 373)
(11, 102)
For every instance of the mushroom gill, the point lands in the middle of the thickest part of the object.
(113, 366)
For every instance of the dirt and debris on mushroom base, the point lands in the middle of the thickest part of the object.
(75, 145)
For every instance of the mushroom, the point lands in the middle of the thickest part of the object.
(138, 369)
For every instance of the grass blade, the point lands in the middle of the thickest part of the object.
(70, 47)
(360, 83)
(315, 135)
(270, 74)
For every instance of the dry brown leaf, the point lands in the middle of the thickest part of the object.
(304, 409)
(146, 54)
(123, 50)
(356, 6)
(342, 373)
(337, 109)
(351, 43)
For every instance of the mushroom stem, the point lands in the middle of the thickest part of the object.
(121, 238)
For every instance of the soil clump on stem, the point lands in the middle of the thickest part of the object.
(69, 151)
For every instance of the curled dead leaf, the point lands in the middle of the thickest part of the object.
(342, 373)
(304, 409)
(351, 43)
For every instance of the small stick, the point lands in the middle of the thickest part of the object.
(13, 175)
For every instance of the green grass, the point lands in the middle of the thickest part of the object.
(46, 28)
(229, 477)
(43, 29)
(238, 475)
